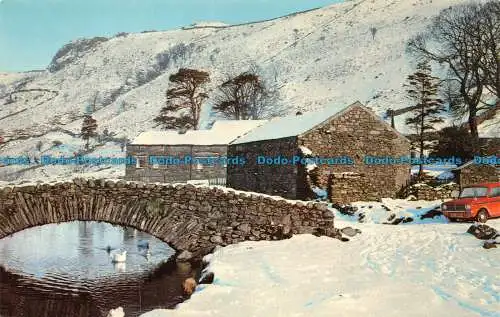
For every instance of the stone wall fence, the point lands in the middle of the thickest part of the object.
(423, 191)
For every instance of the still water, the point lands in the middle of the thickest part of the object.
(67, 270)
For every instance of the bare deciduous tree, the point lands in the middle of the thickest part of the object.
(489, 28)
(184, 100)
(456, 38)
(247, 96)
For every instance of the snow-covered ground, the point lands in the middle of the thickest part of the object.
(434, 269)
(439, 171)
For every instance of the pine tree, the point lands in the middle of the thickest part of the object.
(423, 89)
(184, 100)
(89, 128)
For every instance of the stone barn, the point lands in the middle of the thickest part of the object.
(179, 157)
(337, 141)
(473, 173)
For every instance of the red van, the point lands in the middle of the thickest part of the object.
(475, 202)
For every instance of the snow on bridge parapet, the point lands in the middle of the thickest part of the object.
(138, 184)
(189, 218)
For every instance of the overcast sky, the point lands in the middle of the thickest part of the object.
(31, 31)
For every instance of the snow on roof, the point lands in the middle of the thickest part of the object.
(289, 126)
(464, 165)
(295, 125)
(469, 163)
(236, 128)
(222, 132)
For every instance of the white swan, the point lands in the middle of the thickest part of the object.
(118, 312)
(119, 257)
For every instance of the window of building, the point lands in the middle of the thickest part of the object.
(140, 162)
(153, 162)
(201, 161)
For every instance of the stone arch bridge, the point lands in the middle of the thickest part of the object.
(188, 218)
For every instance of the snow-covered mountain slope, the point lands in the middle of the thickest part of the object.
(318, 57)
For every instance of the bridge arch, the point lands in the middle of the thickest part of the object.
(187, 217)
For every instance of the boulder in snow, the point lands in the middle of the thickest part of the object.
(350, 232)
(345, 209)
(330, 232)
(482, 232)
(207, 278)
(489, 245)
(436, 212)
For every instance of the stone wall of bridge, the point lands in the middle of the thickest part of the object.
(188, 218)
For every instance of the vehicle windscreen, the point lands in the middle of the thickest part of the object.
(474, 192)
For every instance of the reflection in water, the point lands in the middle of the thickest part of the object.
(66, 270)
(120, 267)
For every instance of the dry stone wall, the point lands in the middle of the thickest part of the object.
(422, 191)
(188, 218)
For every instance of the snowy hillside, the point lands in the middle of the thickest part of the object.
(318, 57)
